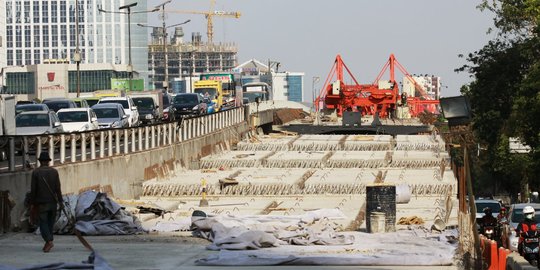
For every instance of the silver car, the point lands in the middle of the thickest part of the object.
(515, 216)
(37, 122)
(111, 115)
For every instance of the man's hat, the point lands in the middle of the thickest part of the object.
(44, 156)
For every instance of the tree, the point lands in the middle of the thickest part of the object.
(505, 96)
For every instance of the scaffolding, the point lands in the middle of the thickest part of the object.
(187, 58)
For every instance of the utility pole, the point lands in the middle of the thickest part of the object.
(77, 56)
(165, 54)
(130, 67)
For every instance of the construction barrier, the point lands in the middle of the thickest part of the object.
(493, 258)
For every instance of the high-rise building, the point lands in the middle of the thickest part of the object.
(430, 84)
(3, 60)
(42, 30)
(186, 58)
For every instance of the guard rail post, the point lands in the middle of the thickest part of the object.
(51, 149)
(146, 138)
(38, 149)
(153, 135)
(62, 148)
(172, 133)
(165, 130)
(139, 131)
(183, 130)
(83, 146)
(126, 142)
(159, 135)
(92, 146)
(11, 166)
(117, 141)
(101, 144)
(73, 147)
(110, 142)
(26, 158)
(132, 131)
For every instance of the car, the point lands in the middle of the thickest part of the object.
(168, 115)
(30, 107)
(38, 122)
(189, 104)
(483, 203)
(148, 109)
(78, 119)
(129, 108)
(91, 101)
(515, 216)
(81, 102)
(56, 104)
(21, 102)
(111, 115)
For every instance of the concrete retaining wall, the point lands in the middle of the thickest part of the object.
(124, 173)
(514, 261)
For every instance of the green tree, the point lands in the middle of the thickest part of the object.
(505, 96)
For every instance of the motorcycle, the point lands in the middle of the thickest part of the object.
(491, 231)
(530, 247)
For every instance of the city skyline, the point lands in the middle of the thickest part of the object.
(304, 36)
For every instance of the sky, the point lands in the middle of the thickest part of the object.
(426, 36)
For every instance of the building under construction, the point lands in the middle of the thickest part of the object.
(174, 58)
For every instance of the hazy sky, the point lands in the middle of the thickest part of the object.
(426, 36)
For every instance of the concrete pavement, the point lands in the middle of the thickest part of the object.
(149, 251)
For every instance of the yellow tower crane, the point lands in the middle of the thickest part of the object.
(209, 15)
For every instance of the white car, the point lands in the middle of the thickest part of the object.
(129, 108)
(78, 119)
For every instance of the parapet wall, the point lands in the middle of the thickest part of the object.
(124, 173)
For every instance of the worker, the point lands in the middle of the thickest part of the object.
(45, 198)
(528, 224)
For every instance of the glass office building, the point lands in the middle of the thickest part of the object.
(39, 30)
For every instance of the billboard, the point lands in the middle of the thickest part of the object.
(123, 84)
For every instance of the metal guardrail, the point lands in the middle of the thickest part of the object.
(93, 145)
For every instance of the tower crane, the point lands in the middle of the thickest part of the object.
(209, 17)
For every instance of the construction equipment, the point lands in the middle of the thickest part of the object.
(382, 97)
(209, 17)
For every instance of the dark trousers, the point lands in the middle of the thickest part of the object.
(47, 218)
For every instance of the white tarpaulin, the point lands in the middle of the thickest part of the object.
(312, 239)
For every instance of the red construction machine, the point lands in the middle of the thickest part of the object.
(382, 96)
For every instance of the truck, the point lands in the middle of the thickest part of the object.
(231, 95)
(149, 105)
(255, 91)
(212, 91)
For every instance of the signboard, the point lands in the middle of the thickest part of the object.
(123, 84)
(223, 77)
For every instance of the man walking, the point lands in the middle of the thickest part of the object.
(46, 195)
